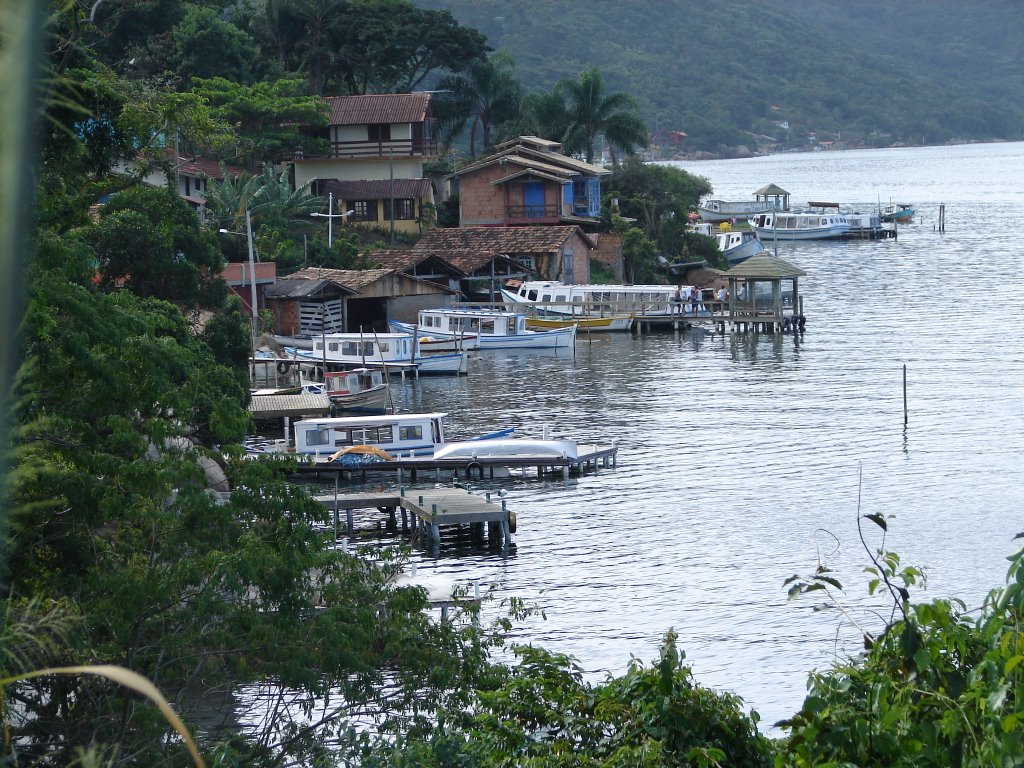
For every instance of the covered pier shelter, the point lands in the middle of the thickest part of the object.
(762, 291)
(773, 195)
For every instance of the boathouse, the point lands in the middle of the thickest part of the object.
(764, 294)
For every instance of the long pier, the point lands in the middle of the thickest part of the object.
(589, 458)
(425, 510)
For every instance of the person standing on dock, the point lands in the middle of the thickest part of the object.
(677, 299)
(694, 299)
(723, 297)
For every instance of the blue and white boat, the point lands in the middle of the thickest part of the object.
(806, 225)
(401, 434)
(492, 329)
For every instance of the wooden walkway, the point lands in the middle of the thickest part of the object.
(425, 510)
(589, 458)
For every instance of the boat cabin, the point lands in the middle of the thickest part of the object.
(360, 349)
(481, 322)
(404, 434)
(338, 383)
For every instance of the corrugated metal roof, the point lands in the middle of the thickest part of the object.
(302, 288)
(373, 109)
(279, 406)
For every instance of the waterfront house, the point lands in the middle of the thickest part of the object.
(550, 252)
(528, 181)
(377, 147)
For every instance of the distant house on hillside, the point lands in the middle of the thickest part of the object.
(189, 174)
(528, 181)
(378, 145)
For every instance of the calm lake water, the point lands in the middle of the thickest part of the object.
(742, 459)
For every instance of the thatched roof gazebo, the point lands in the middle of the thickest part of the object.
(761, 290)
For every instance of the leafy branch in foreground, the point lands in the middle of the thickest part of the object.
(936, 687)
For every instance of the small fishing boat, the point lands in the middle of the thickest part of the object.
(900, 213)
(715, 211)
(493, 328)
(360, 390)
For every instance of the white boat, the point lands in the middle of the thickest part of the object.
(806, 225)
(379, 350)
(555, 298)
(494, 328)
(508, 448)
(360, 390)
(715, 211)
(736, 245)
(401, 434)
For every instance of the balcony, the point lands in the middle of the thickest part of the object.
(533, 212)
(392, 148)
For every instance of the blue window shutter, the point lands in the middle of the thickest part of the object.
(595, 197)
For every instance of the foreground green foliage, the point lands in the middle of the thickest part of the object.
(544, 714)
(937, 686)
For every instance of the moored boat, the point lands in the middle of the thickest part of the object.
(401, 434)
(360, 390)
(899, 213)
(492, 328)
(379, 350)
(551, 297)
(586, 324)
(716, 211)
(821, 222)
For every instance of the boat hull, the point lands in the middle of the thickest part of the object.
(556, 338)
(767, 234)
(373, 400)
(611, 323)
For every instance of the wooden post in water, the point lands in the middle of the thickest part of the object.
(904, 394)
(942, 217)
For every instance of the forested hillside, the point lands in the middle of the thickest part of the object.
(922, 71)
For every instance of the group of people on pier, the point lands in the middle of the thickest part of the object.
(695, 298)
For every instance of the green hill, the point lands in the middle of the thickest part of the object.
(860, 71)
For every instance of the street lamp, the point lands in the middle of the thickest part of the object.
(252, 280)
(331, 216)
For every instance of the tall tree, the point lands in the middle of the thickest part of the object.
(484, 95)
(267, 196)
(591, 113)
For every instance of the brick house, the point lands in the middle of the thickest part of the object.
(378, 144)
(528, 181)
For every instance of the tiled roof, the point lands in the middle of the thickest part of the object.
(377, 189)
(397, 260)
(379, 108)
(353, 279)
(522, 154)
(469, 262)
(193, 166)
(497, 240)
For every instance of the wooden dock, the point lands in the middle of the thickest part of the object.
(425, 510)
(589, 458)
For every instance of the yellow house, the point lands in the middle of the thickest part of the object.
(373, 172)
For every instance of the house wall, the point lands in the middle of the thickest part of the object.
(581, 253)
(286, 316)
(358, 169)
(480, 202)
(609, 252)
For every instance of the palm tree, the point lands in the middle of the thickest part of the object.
(266, 196)
(486, 94)
(590, 112)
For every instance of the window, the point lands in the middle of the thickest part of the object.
(363, 210)
(405, 209)
(379, 132)
(318, 437)
(410, 433)
(332, 347)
